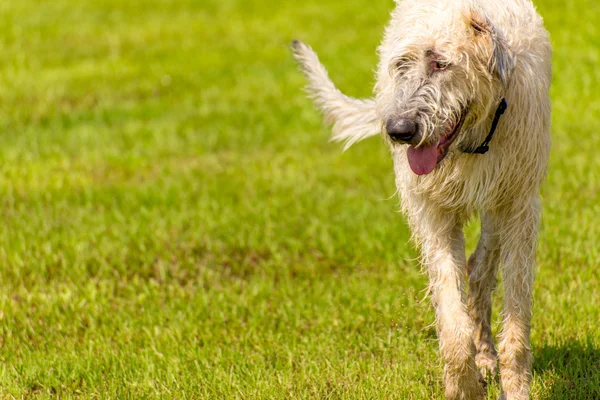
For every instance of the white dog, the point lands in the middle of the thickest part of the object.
(462, 100)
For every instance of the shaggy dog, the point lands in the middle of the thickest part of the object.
(462, 101)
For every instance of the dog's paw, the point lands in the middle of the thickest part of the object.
(465, 386)
(487, 364)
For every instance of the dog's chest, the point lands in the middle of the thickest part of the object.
(460, 185)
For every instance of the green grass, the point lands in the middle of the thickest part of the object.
(175, 223)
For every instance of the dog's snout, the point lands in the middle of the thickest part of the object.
(401, 129)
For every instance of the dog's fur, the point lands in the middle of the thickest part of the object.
(440, 60)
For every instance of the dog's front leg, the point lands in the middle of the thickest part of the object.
(518, 239)
(482, 268)
(444, 255)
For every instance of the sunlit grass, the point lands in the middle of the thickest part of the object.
(175, 223)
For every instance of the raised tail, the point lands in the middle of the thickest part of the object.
(353, 119)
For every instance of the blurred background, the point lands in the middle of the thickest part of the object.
(174, 222)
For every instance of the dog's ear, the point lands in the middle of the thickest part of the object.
(503, 60)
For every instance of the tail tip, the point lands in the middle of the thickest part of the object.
(296, 45)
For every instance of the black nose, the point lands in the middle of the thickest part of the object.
(401, 129)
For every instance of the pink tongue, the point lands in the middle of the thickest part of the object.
(423, 160)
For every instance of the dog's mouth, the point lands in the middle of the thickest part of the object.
(424, 159)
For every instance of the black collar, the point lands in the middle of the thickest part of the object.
(485, 146)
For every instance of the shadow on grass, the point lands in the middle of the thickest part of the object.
(568, 371)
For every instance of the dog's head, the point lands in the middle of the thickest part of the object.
(443, 70)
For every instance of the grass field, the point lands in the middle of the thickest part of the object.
(175, 223)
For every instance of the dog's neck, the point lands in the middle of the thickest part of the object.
(485, 146)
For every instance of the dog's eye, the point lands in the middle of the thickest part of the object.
(439, 65)
(399, 67)
(401, 63)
